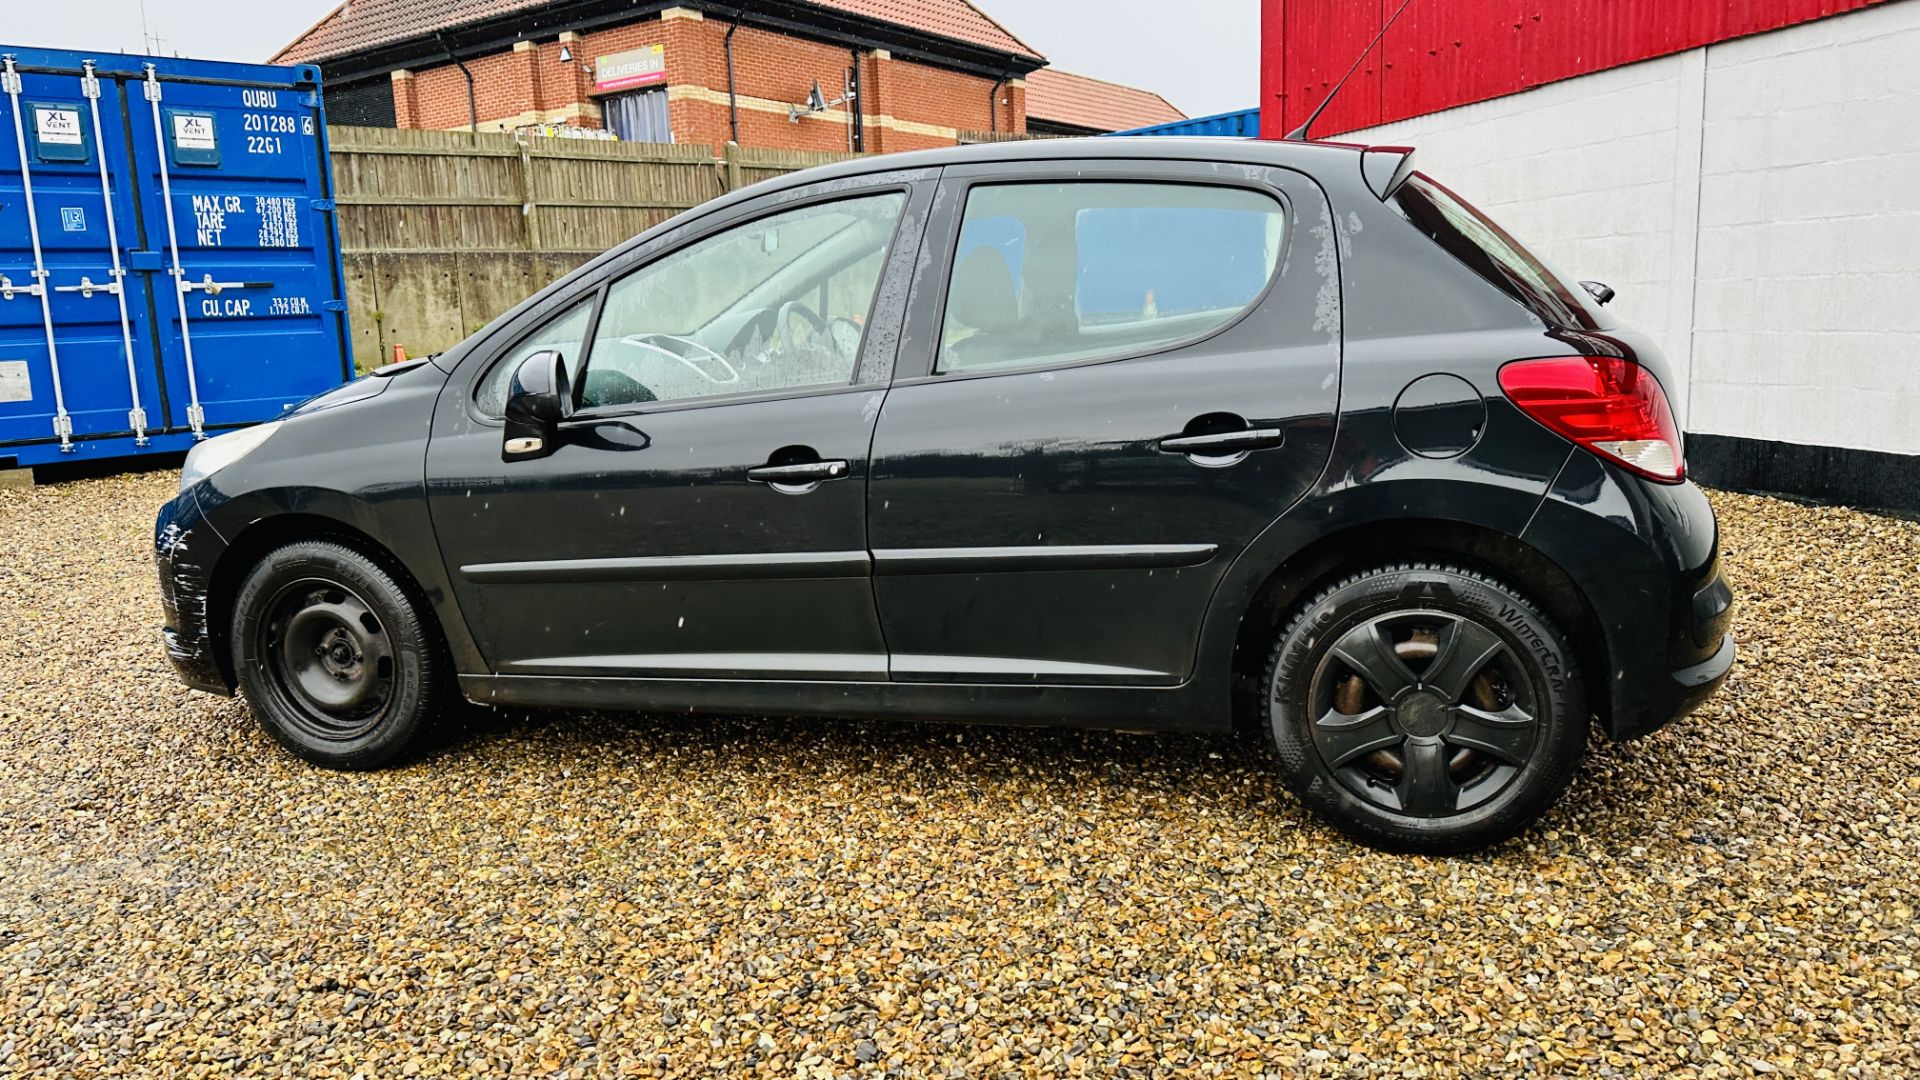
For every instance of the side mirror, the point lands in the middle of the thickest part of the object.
(538, 401)
(1601, 291)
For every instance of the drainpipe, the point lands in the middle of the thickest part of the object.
(993, 104)
(473, 107)
(733, 95)
(855, 93)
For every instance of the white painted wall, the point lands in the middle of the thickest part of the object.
(1756, 203)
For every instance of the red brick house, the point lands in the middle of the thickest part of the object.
(891, 74)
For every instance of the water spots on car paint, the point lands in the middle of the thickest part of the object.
(1326, 305)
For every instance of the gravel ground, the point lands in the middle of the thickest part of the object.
(589, 896)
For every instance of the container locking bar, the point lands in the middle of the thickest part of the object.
(62, 423)
(8, 290)
(196, 415)
(136, 416)
(215, 288)
(88, 287)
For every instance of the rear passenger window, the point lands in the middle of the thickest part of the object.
(1059, 273)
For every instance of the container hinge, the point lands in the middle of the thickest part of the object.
(333, 305)
(322, 206)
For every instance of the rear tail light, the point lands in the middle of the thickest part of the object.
(1611, 406)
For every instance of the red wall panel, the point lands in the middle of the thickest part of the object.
(1438, 54)
(1445, 53)
(1328, 38)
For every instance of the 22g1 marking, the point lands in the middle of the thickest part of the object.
(265, 131)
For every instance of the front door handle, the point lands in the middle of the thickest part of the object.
(1224, 443)
(802, 475)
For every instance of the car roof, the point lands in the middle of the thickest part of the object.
(1306, 156)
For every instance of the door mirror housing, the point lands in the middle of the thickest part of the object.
(1601, 291)
(538, 402)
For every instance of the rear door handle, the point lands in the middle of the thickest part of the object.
(812, 472)
(1225, 443)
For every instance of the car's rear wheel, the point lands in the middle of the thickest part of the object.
(1425, 708)
(339, 664)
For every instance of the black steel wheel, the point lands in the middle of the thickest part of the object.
(327, 651)
(338, 662)
(1425, 708)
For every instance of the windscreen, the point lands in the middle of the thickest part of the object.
(1491, 252)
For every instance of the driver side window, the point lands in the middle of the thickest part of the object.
(779, 303)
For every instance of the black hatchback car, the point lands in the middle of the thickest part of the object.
(1139, 433)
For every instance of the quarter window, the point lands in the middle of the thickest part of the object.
(1051, 273)
(777, 304)
(566, 334)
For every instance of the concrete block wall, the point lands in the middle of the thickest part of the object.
(1756, 203)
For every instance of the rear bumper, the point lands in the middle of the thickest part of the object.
(1646, 557)
(185, 550)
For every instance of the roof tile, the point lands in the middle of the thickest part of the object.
(358, 25)
(1065, 98)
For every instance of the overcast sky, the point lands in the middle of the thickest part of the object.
(1205, 61)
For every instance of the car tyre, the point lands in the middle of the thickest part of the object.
(339, 663)
(1425, 708)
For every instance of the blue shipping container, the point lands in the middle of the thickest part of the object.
(169, 255)
(1244, 124)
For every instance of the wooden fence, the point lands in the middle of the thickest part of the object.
(443, 231)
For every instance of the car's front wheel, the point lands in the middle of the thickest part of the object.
(1425, 708)
(339, 664)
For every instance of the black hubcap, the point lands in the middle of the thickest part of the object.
(330, 656)
(1424, 713)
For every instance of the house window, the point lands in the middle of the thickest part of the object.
(640, 116)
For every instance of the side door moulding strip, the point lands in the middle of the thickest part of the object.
(771, 565)
(900, 561)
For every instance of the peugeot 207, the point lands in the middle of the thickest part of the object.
(1146, 434)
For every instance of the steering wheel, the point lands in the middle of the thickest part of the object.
(702, 356)
(783, 323)
(845, 344)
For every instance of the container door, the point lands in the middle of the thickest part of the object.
(230, 179)
(75, 356)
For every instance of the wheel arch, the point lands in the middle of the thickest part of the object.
(1470, 546)
(269, 534)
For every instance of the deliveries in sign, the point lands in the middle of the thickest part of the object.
(623, 71)
(193, 132)
(57, 127)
